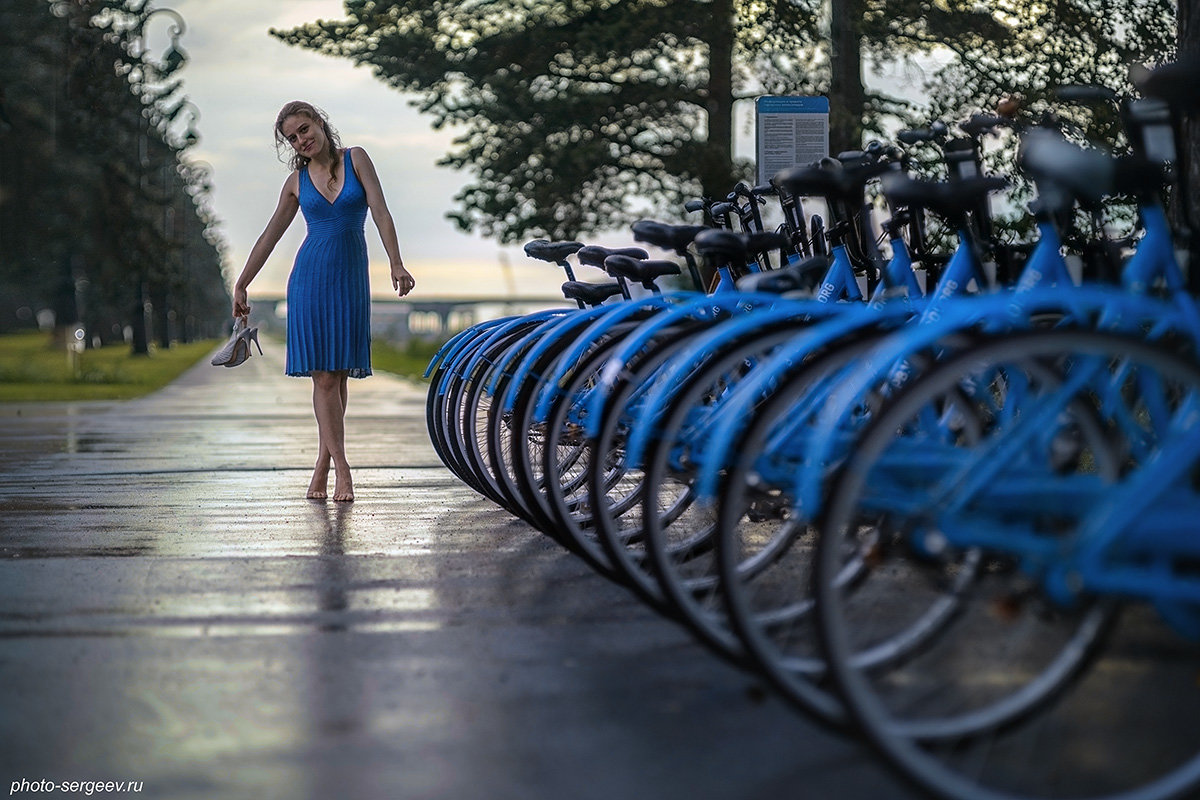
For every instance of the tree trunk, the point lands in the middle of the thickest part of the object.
(141, 327)
(1185, 207)
(717, 175)
(846, 94)
(161, 300)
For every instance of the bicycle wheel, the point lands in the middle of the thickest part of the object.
(566, 459)
(1023, 693)
(520, 437)
(467, 399)
(764, 542)
(439, 374)
(477, 412)
(679, 533)
(443, 415)
(615, 489)
(509, 427)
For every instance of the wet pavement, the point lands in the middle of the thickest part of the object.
(174, 612)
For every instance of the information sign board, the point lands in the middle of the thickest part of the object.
(792, 131)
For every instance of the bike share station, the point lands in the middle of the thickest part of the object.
(911, 491)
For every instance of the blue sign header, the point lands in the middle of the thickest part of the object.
(792, 105)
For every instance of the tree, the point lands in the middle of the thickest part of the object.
(1053, 44)
(572, 112)
(80, 224)
(1189, 161)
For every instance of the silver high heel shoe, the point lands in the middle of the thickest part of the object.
(237, 349)
(241, 350)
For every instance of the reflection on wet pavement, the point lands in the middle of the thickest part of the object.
(173, 610)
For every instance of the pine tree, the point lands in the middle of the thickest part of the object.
(574, 114)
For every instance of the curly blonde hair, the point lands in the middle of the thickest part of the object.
(297, 161)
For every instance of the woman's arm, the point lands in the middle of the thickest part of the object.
(285, 212)
(402, 280)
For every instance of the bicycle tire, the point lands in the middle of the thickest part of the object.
(617, 503)
(679, 533)
(1036, 653)
(763, 543)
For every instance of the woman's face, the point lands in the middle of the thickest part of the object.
(304, 134)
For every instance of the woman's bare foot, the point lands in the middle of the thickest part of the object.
(318, 487)
(345, 487)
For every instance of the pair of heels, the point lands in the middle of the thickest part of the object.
(237, 349)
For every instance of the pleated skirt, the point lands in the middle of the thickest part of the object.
(329, 306)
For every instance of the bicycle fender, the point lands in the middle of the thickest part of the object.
(565, 327)
(460, 340)
(535, 320)
(735, 411)
(552, 385)
(1110, 308)
(735, 303)
(671, 378)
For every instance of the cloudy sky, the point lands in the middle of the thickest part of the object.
(239, 77)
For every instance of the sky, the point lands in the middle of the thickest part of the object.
(238, 77)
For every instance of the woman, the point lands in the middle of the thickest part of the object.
(328, 294)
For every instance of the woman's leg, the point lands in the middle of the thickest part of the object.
(329, 405)
(318, 487)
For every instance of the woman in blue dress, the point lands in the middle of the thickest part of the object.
(328, 295)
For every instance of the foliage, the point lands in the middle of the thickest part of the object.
(575, 116)
(1056, 44)
(566, 108)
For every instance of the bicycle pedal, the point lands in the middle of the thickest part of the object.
(763, 510)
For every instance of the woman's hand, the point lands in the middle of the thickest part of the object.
(402, 281)
(241, 303)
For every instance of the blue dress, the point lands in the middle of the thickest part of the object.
(328, 292)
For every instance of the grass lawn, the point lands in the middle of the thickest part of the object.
(408, 361)
(32, 370)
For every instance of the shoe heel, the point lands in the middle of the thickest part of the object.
(241, 352)
(254, 338)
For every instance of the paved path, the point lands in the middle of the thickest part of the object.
(173, 611)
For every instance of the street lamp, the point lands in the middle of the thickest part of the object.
(170, 296)
(173, 59)
(196, 175)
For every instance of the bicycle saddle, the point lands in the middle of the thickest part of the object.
(846, 182)
(802, 276)
(1088, 174)
(1176, 83)
(591, 293)
(949, 200)
(554, 252)
(640, 270)
(732, 246)
(593, 255)
(664, 236)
